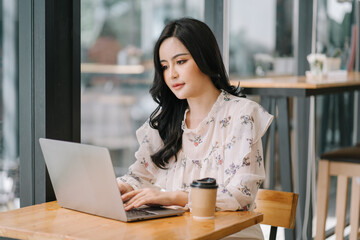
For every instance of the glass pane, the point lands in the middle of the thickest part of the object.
(261, 38)
(335, 39)
(117, 69)
(335, 24)
(9, 154)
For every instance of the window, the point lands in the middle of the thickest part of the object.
(260, 42)
(117, 39)
(335, 26)
(9, 154)
(335, 38)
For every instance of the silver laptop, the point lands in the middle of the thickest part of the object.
(84, 180)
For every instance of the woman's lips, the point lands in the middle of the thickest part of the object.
(178, 85)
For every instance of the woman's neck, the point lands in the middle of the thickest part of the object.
(199, 107)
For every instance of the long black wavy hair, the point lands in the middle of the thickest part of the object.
(168, 116)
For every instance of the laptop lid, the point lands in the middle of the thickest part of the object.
(83, 179)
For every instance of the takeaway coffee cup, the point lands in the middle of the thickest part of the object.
(203, 198)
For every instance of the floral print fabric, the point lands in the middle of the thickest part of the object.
(226, 146)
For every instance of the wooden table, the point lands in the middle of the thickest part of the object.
(50, 221)
(275, 92)
(299, 85)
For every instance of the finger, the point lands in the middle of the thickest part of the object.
(136, 204)
(139, 195)
(130, 195)
(122, 189)
(143, 198)
(125, 187)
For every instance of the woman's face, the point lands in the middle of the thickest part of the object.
(181, 73)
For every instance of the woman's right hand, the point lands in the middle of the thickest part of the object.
(124, 187)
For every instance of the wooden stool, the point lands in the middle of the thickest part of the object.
(343, 163)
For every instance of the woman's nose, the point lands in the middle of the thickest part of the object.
(174, 73)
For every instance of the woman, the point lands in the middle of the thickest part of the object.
(201, 128)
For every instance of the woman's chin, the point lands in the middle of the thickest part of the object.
(179, 95)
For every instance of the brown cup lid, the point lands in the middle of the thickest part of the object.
(209, 183)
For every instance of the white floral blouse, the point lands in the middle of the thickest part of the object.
(226, 146)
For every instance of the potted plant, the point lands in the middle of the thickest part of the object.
(334, 61)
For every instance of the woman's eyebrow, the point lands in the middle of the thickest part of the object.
(175, 56)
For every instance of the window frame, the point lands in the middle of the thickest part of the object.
(49, 87)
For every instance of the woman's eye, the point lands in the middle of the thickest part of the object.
(181, 61)
(164, 68)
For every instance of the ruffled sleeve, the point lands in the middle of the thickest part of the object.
(244, 166)
(142, 174)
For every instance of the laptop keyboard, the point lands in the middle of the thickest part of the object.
(136, 212)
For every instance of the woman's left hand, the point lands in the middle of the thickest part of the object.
(150, 196)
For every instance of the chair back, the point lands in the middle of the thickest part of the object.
(278, 207)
